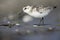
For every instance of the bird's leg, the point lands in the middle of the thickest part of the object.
(41, 21)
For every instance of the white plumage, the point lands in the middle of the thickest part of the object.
(37, 12)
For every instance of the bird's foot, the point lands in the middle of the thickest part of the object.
(39, 24)
(36, 25)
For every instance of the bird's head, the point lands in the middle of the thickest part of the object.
(27, 9)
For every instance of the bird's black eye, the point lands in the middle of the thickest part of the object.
(54, 7)
(25, 8)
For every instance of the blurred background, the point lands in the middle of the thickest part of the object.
(11, 10)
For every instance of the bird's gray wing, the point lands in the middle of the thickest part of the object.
(38, 10)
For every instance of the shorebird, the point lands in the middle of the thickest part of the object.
(38, 12)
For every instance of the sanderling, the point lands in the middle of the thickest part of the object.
(38, 12)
